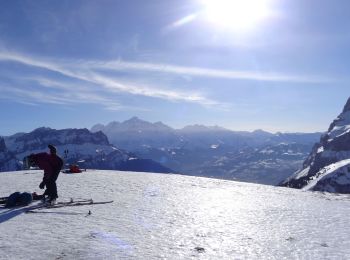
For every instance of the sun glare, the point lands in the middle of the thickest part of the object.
(236, 14)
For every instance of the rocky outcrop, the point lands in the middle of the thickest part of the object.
(40, 137)
(77, 146)
(334, 147)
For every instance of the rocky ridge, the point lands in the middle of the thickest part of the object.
(327, 167)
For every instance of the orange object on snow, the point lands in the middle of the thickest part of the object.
(74, 168)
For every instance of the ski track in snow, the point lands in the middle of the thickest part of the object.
(156, 216)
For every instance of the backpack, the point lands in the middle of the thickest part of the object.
(19, 199)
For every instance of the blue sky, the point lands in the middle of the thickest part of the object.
(78, 63)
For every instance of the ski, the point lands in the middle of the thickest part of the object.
(68, 204)
(46, 205)
(82, 203)
(74, 201)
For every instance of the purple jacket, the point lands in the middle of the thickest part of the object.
(50, 163)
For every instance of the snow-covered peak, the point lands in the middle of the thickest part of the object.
(340, 126)
(333, 148)
(347, 106)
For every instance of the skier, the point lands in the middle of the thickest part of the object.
(52, 165)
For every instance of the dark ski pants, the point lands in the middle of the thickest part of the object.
(51, 187)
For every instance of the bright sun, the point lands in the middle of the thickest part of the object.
(237, 14)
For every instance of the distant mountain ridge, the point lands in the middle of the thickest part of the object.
(197, 149)
(136, 132)
(159, 135)
(327, 168)
(76, 146)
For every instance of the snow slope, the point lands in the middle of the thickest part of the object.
(156, 216)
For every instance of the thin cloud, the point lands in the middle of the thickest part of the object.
(87, 78)
(83, 71)
(33, 96)
(64, 94)
(114, 85)
(209, 73)
(83, 94)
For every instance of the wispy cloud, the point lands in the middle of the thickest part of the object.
(87, 81)
(210, 73)
(83, 71)
(36, 96)
(53, 91)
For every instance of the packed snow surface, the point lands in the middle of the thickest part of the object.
(156, 216)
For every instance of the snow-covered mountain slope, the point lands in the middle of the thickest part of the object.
(332, 151)
(79, 146)
(156, 216)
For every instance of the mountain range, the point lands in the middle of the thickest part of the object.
(213, 151)
(138, 145)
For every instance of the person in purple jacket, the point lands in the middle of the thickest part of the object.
(52, 164)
